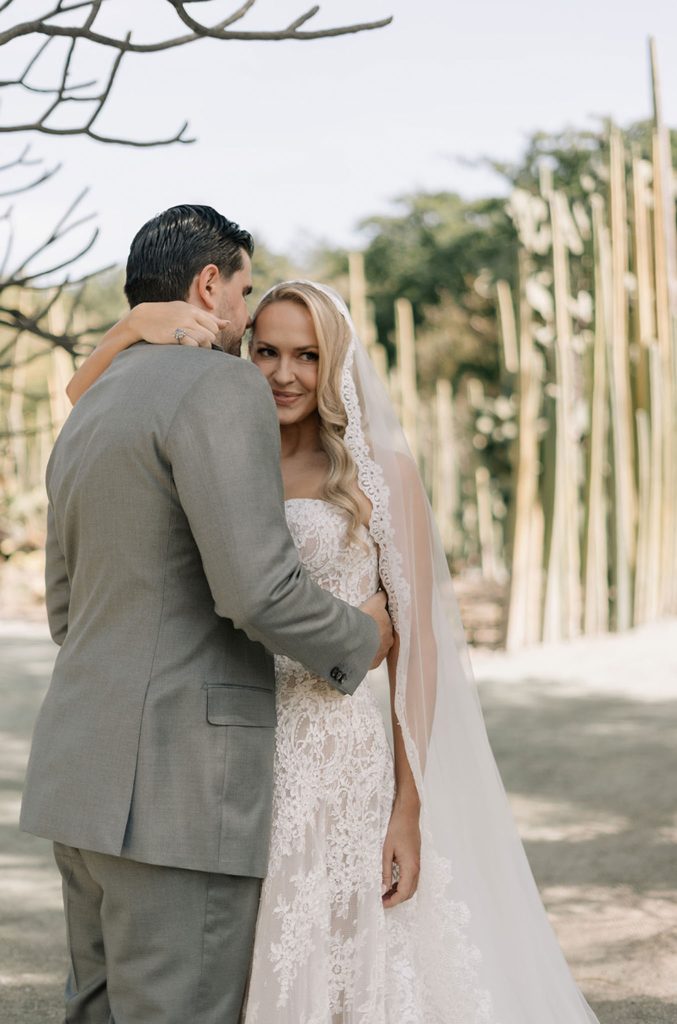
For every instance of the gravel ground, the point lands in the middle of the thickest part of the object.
(585, 736)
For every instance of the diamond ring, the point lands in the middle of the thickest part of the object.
(179, 334)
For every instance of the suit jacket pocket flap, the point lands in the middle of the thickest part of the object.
(241, 705)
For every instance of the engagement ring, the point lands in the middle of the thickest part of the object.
(179, 334)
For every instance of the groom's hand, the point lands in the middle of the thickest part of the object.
(376, 607)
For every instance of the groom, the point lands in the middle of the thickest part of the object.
(170, 577)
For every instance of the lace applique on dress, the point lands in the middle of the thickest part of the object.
(326, 952)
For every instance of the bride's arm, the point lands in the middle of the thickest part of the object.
(402, 844)
(114, 341)
(155, 322)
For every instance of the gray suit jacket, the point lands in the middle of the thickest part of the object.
(170, 576)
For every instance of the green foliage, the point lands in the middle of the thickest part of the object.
(434, 244)
(433, 248)
(577, 158)
(268, 268)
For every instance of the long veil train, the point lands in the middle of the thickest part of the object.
(486, 951)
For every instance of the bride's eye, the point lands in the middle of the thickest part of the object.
(312, 356)
(263, 350)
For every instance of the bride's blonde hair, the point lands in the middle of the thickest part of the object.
(333, 339)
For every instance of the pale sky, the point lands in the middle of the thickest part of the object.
(301, 140)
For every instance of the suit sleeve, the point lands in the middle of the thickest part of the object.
(57, 584)
(224, 448)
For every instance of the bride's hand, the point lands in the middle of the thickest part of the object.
(159, 323)
(401, 854)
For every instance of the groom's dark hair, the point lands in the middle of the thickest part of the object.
(172, 248)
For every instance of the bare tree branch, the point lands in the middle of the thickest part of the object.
(16, 320)
(49, 30)
(72, 282)
(21, 160)
(33, 280)
(29, 279)
(41, 293)
(62, 228)
(36, 324)
(199, 30)
(179, 136)
(45, 176)
(303, 18)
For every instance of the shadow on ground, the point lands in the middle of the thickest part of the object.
(590, 777)
(32, 949)
(636, 1011)
(595, 773)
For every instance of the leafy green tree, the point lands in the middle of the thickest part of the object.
(434, 244)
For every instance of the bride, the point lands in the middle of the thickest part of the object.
(398, 891)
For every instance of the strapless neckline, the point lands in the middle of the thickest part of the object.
(330, 504)
(323, 500)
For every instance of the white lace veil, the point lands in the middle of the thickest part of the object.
(487, 952)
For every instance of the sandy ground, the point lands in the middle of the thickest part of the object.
(586, 739)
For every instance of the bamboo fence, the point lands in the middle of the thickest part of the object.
(586, 539)
(591, 541)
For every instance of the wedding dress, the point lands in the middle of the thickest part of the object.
(326, 951)
(474, 945)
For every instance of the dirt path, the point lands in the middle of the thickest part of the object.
(586, 739)
(585, 736)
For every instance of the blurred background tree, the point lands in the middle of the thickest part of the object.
(569, 259)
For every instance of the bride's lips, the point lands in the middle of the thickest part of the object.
(282, 398)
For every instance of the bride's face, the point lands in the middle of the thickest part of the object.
(284, 347)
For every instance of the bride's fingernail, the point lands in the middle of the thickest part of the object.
(384, 889)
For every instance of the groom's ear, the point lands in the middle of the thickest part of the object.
(203, 290)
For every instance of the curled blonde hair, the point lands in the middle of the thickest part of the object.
(333, 339)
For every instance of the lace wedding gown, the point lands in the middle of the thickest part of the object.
(326, 951)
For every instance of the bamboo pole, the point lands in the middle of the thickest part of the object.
(668, 391)
(641, 175)
(656, 552)
(596, 559)
(425, 433)
(61, 371)
(524, 611)
(642, 580)
(485, 524)
(667, 192)
(649, 547)
(665, 257)
(45, 434)
(625, 500)
(395, 390)
(16, 421)
(641, 236)
(362, 316)
(379, 358)
(358, 298)
(506, 319)
(445, 483)
(562, 615)
(406, 361)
